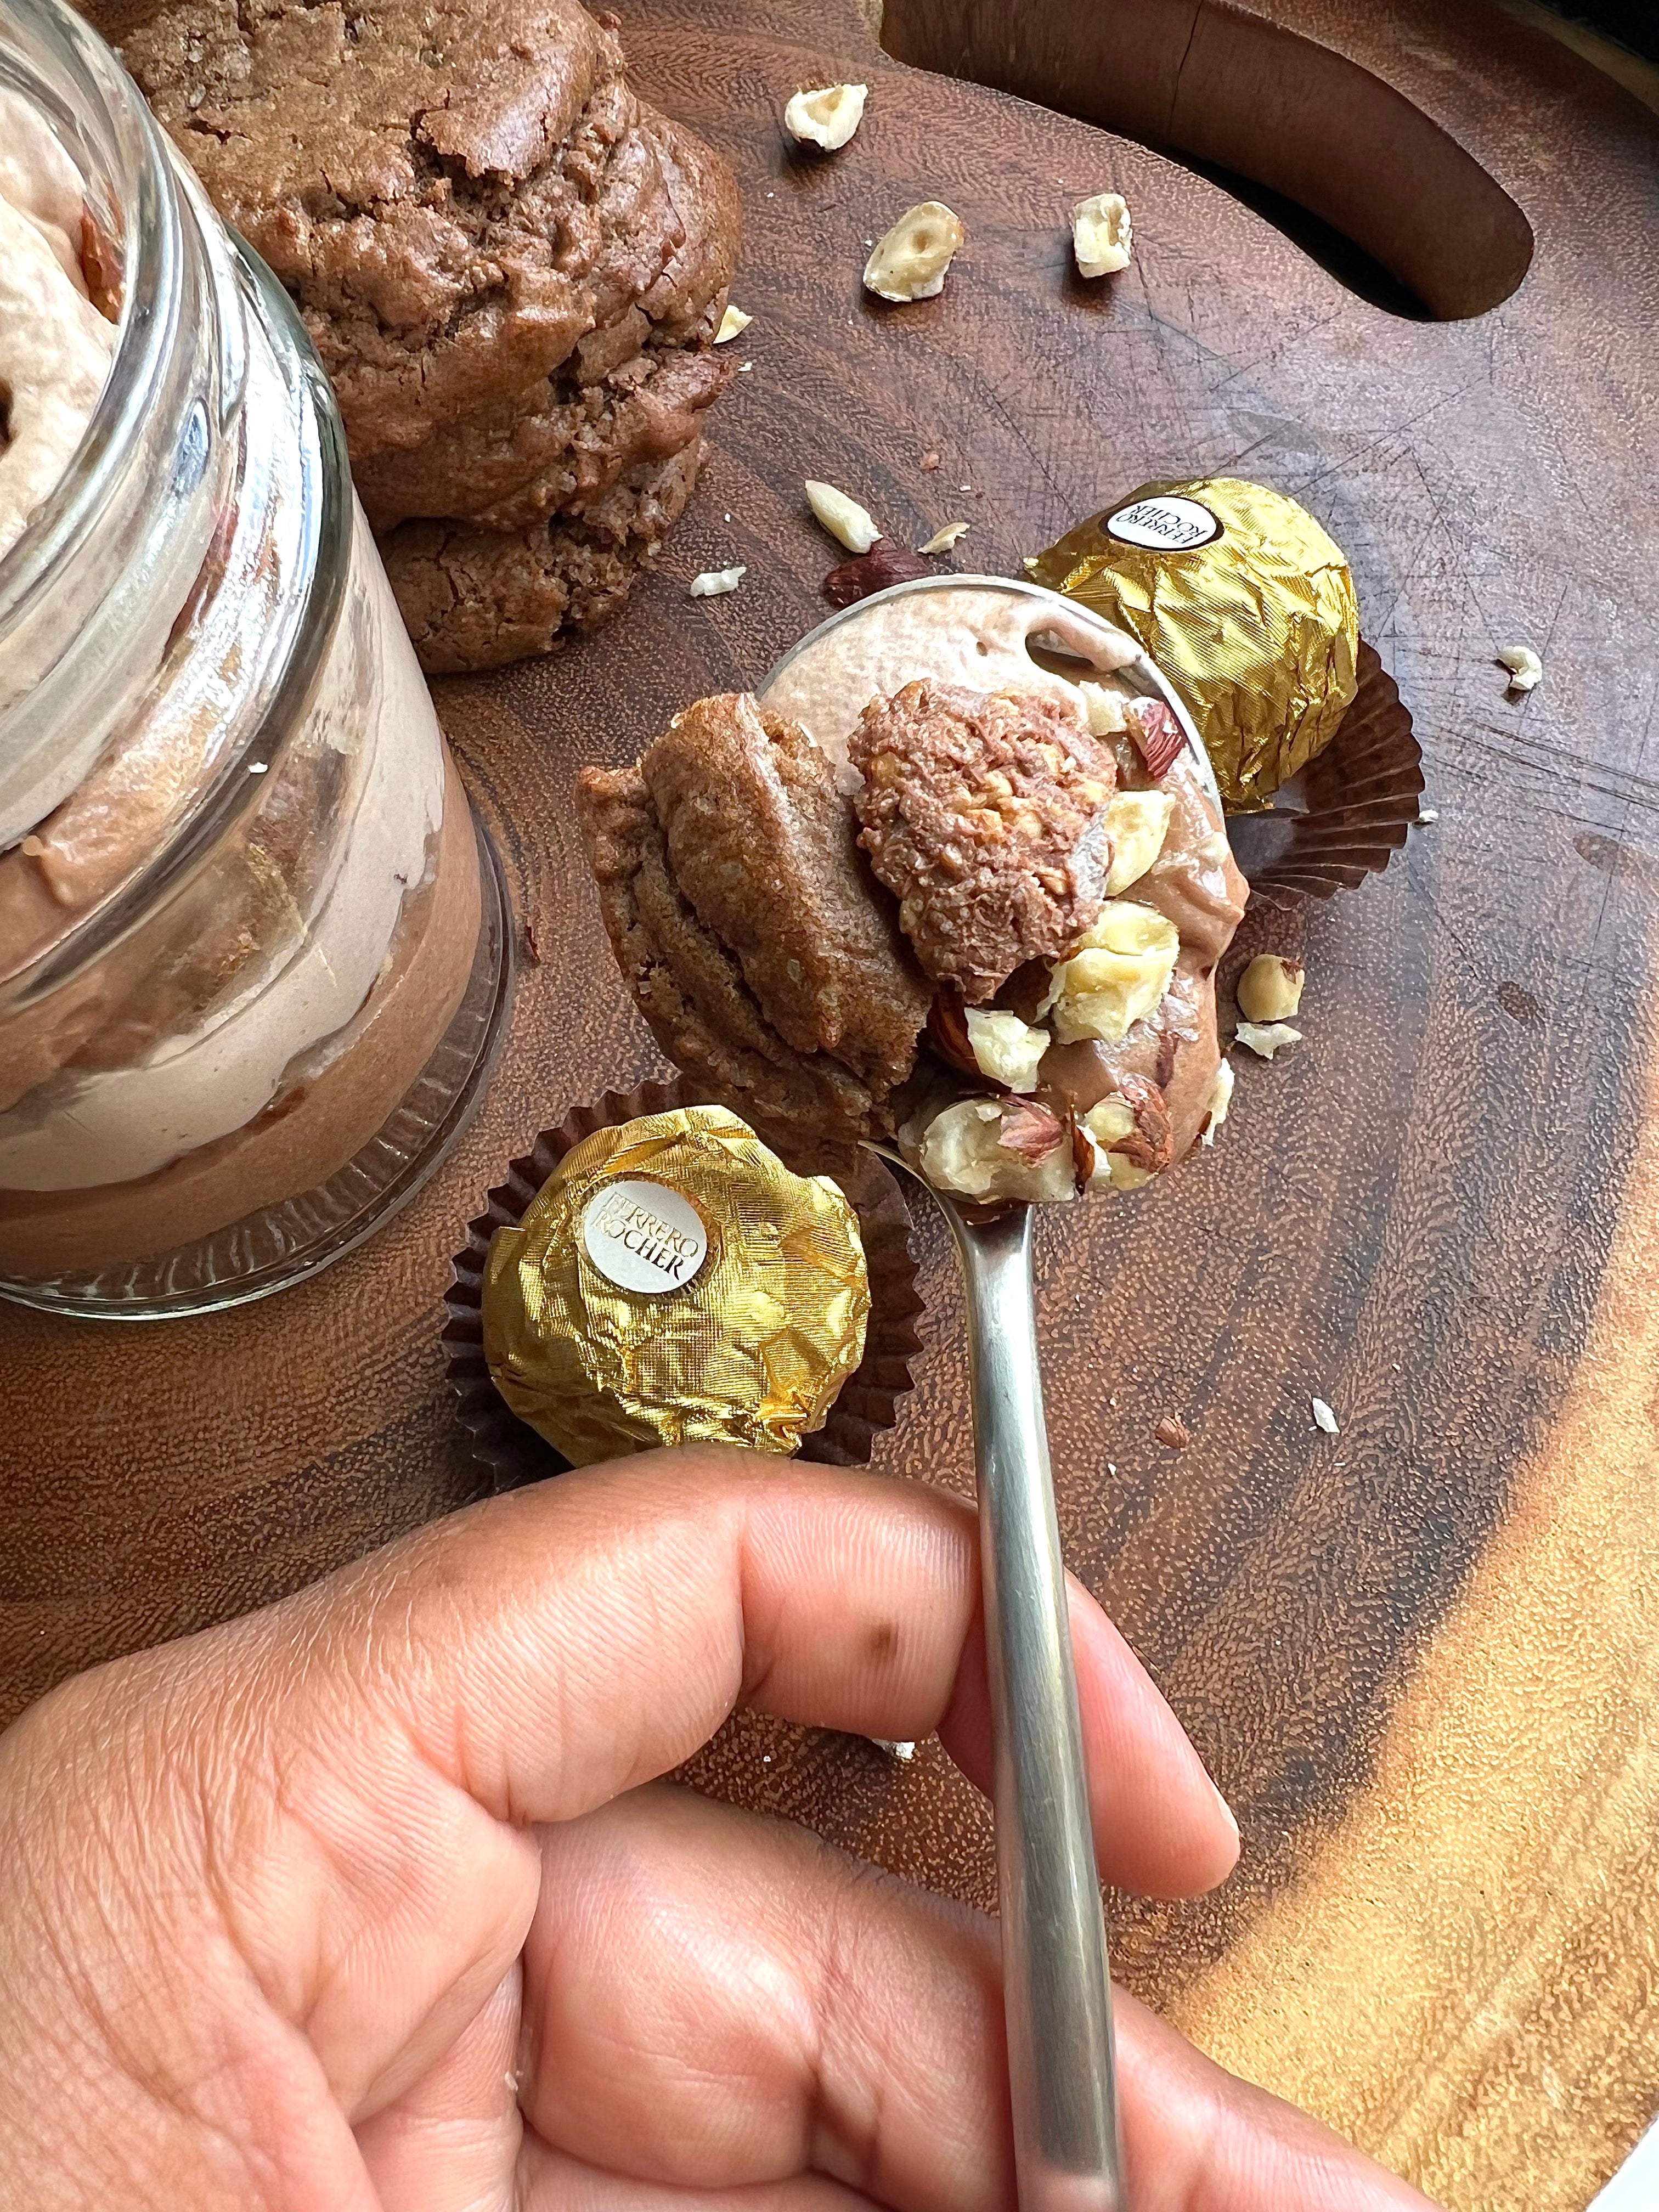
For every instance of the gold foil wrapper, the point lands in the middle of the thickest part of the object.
(674, 1283)
(1243, 603)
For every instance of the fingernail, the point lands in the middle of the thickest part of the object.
(1232, 1817)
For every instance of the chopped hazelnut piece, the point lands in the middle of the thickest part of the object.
(1105, 709)
(1221, 1098)
(1101, 235)
(734, 324)
(826, 118)
(841, 516)
(713, 582)
(943, 540)
(1137, 821)
(1270, 989)
(1173, 1433)
(1524, 666)
(1266, 1038)
(909, 263)
(1004, 1047)
(1117, 976)
(1325, 1418)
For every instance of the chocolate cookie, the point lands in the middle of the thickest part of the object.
(479, 598)
(511, 466)
(763, 846)
(691, 990)
(455, 191)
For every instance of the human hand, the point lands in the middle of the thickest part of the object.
(359, 1905)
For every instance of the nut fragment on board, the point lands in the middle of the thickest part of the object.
(827, 116)
(1524, 666)
(943, 540)
(841, 516)
(1101, 235)
(910, 261)
(1325, 1418)
(1270, 989)
(713, 582)
(904, 1753)
(1173, 1433)
(734, 324)
(1264, 1039)
(884, 564)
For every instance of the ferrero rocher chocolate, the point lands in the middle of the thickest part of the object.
(673, 1283)
(1244, 603)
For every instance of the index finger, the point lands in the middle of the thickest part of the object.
(554, 1647)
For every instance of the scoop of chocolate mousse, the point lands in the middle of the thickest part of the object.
(765, 959)
(986, 815)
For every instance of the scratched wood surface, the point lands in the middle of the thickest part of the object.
(1422, 1656)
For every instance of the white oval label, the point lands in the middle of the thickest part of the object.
(1166, 524)
(644, 1236)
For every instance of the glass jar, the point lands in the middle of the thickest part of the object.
(253, 957)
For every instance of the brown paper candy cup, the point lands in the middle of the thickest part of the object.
(513, 1454)
(1360, 798)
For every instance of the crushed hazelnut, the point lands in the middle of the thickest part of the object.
(999, 1148)
(1101, 235)
(1004, 1047)
(1325, 1418)
(1270, 989)
(1173, 1433)
(841, 516)
(734, 324)
(827, 117)
(1117, 976)
(1266, 1038)
(1221, 1098)
(909, 263)
(713, 582)
(1104, 708)
(929, 463)
(1524, 666)
(943, 540)
(1137, 822)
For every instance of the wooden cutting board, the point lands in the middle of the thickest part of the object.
(1421, 1656)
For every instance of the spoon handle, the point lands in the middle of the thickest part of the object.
(1056, 1983)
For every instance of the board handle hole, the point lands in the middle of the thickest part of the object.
(1348, 169)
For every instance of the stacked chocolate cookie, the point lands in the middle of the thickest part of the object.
(512, 267)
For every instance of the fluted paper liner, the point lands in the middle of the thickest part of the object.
(513, 1454)
(1361, 796)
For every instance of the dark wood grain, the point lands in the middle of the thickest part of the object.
(1420, 1656)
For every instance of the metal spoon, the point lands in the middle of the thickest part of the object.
(1057, 1993)
(1056, 1981)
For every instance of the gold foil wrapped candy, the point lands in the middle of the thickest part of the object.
(1244, 603)
(673, 1283)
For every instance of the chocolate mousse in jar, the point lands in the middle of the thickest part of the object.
(253, 951)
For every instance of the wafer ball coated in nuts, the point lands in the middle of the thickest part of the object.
(909, 263)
